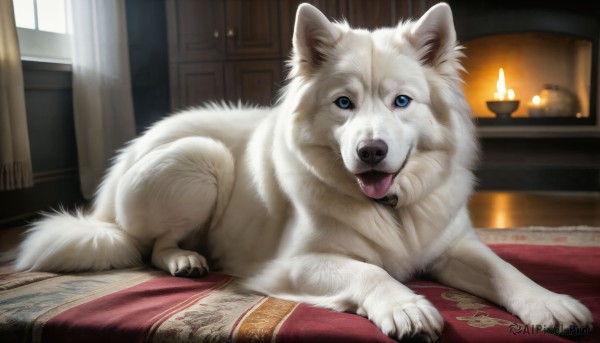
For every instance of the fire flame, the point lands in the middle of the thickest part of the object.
(502, 93)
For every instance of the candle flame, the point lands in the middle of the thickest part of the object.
(502, 93)
(501, 85)
(511, 94)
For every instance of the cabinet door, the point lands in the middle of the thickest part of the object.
(406, 9)
(333, 9)
(196, 30)
(253, 82)
(252, 29)
(193, 84)
(371, 14)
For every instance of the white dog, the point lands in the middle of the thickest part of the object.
(355, 181)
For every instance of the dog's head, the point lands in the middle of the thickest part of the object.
(383, 101)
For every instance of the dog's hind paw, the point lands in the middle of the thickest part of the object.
(180, 262)
(188, 264)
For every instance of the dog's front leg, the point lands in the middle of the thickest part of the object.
(471, 266)
(341, 283)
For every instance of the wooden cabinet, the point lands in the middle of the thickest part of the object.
(235, 49)
(333, 9)
(254, 82)
(195, 83)
(384, 13)
(252, 29)
(371, 14)
(223, 50)
(195, 30)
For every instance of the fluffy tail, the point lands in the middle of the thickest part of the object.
(64, 242)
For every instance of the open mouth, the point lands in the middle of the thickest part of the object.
(375, 184)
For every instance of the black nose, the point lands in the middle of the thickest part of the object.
(372, 151)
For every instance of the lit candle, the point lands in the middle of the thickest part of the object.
(535, 107)
(500, 86)
(501, 91)
(504, 99)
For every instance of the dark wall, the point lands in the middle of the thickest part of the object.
(148, 55)
(48, 101)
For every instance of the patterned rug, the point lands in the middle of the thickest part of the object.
(146, 305)
(579, 236)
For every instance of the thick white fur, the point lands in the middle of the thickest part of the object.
(270, 195)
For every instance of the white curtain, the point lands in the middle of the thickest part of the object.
(102, 101)
(15, 158)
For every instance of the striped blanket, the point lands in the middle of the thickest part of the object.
(146, 305)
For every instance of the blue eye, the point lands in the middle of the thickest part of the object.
(402, 101)
(344, 103)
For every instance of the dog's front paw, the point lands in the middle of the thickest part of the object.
(415, 318)
(552, 311)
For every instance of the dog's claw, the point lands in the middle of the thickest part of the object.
(192, 273)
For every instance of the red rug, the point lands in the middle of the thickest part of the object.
(143, 304)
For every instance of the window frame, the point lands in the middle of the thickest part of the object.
(45, 46)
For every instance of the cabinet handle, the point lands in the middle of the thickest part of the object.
(216, 34)
(230, 33)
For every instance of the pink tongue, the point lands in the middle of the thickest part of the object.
(375, 184)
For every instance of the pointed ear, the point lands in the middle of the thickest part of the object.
(313, 34)
(434, 35)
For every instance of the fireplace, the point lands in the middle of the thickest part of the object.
(532, 81)
(530, 63)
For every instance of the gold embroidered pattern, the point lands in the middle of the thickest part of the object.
(480, 319)
(483, 320)
(464, 301)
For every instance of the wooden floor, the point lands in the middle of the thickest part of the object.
(518, 209)
(491, 210)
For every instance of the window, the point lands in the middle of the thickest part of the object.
(43, 29)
